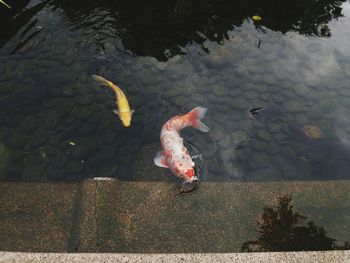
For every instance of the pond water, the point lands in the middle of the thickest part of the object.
(57, 124)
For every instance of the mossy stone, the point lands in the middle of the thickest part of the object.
(275, 127)
(264, 135)
(223, 108)
(239, 136)
(258, 145)
(269, 79)
(239, 103)
(83, 148)
(108, 153)
(83, 112)
(29, 125)
(17, 140)
(32, 172)
(84, 100)
(259, 160)
(87, 129)
(219, 91)
(74, 167)
(6, 88)
(294, 106)
(59, 161)
(301, 89)
(180, 101)
(38, 138)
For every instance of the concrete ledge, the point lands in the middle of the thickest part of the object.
(146, 217)
(37, 217)
(276, 257)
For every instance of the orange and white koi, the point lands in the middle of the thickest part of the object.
(175, 156)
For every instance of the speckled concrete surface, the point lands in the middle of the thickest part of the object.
(292, 257)
(37, 217)
(146, 217)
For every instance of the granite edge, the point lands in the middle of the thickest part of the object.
(271, 257)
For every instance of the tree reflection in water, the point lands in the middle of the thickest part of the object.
(280, 231)
(162, 29)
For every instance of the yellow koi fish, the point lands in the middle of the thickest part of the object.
(1, 1)
(123, 111)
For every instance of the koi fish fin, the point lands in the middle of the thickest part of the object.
(117, 112)
(160, 160)
(195, 117)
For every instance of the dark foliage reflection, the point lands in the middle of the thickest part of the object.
(161, 29)
(280, 231)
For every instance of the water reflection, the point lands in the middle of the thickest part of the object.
(162, 30)
(16, 18)
(280, 230)
(48, 99)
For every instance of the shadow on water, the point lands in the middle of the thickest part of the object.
(280, 230)
(165, 29)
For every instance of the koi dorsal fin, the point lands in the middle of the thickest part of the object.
(160, 160)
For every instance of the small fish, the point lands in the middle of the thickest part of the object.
(255, 111)
(175, 156)
(1, 1)
(124, 110)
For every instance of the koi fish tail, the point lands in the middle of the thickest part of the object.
(195, 116)
(101, 80)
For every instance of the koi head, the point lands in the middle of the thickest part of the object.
(184, 170)
(125, 117)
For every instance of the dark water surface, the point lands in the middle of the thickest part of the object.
(57, 124)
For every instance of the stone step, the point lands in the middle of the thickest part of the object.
(264, 257)
(147, 217)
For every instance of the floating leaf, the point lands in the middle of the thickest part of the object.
(1, 1)
(256, 18)
(71, 142)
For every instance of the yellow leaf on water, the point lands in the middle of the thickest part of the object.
(256, 18)
(313, 132)
(1, 1)
(72, 143)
